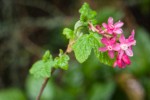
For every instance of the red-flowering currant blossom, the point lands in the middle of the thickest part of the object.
(126, 44)
(121, 46)
(110, 46)
(112, 28)
(125, 50)
(122, 62)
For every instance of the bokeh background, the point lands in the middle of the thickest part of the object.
(29, 27)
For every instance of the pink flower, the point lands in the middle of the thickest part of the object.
(125, 50)
(122, 62)
(113, 44)
(112, 28)
(126, 44)
(110, 46)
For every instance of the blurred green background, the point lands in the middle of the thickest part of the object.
(29, 27)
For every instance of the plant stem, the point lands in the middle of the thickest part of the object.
(68, 50)
(42, 88)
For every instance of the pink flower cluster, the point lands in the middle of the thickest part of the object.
(115, 42)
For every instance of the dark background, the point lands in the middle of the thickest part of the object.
(29, 27)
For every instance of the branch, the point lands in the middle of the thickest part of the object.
(68, 50)
(42, 88)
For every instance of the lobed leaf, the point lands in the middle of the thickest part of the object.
(80, 28)
(83, 46)
(41, 69)
(69, 33)
(46, 56)
(87, 13)
(82, 49)
(61, 61)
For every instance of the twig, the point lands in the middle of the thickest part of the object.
(42, 88)
(68, 50)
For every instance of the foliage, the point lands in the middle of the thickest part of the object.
(41, 22)
(82, 48)
(87, 14)
(61, 61)
(42, 68)
(69, 33)
(84, 42)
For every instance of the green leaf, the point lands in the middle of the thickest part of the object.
(96, 44)
(69, 33)
(41, 68)
(82, 48)
(46, 56)
(87, 14)
(61, 61)
(80, 28)
(78, 24)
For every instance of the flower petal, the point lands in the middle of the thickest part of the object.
(102, 32)
(112, 40)
(131, 43)
(103, 49)
(109, 31)
(119, 63)
(122, 38)
(126, 59)
(129, 52)
(115, 64)
(118, 24)
(118, 31)
(116, 47)
(131, 37)
(105, 41)
(120, 54)
(104, 25)
(110, 21)
(111, 54)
